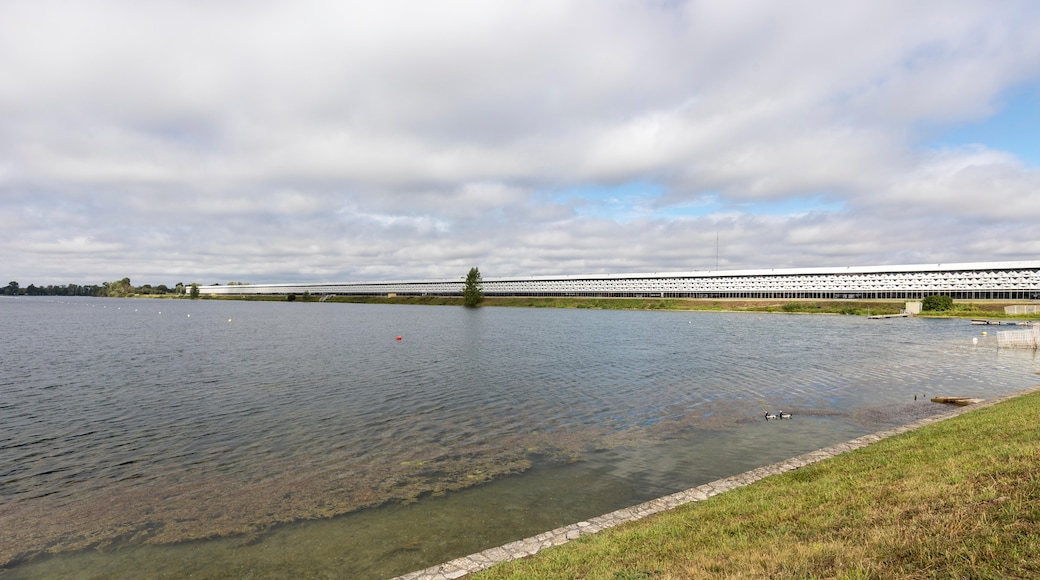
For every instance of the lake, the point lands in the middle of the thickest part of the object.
(166, 438)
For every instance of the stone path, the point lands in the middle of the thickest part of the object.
(465, 565)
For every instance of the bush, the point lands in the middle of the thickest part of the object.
(937, 302)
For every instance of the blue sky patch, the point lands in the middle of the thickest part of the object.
(640, 200)
(622, 202)
(788, 206)
(1015, 128)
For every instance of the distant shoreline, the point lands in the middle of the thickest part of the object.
(962, 308)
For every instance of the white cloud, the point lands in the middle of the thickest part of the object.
(269, 141)
(971, 183)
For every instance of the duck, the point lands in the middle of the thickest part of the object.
(770, 416)
(782, 415)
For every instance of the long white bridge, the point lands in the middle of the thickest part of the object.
(965, 281)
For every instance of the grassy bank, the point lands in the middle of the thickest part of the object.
(989, 309)
(956, 499)
(791, 306)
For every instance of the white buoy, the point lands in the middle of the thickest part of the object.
(975, 340)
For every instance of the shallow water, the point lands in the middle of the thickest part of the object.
(226, 439)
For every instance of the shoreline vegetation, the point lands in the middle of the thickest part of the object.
(989, 309)
(954, 499)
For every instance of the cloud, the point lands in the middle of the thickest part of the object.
(320, 140)
(971, 183)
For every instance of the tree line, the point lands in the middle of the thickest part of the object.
(473, 290)
(118, 288)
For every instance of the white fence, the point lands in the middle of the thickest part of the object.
(1019, 338)
(1022, 309)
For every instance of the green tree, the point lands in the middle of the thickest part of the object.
(119, 288)
(473, 292)
(937, 302)
(194, 290)
(12, 288)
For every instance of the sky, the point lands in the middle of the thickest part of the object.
(334, 141)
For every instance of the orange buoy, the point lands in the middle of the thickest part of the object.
(398, 337)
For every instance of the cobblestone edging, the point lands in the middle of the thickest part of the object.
(460, 567)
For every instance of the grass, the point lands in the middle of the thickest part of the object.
(955, 499)
(993, 309)
(761, 305)
(979, 310)
(858, 307)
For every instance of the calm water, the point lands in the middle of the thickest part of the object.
(148, 438)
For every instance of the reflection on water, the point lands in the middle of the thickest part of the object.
(134, 426)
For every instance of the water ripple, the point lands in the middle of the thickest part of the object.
(243, 415)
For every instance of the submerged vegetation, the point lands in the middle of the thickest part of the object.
(955, 499)
(182, 507)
